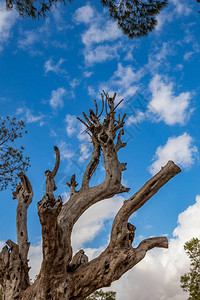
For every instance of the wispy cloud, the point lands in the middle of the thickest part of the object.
(34, 41)
(71, 125)
(158, 58)
(30, 38)
(188, 55)
(179, 149)
(101, 53)
(50, 66)
(65, 151)
(85, 152)
(124, 81)
(192, 43)
(74, 82)
(87, 74)
(58, 17)
(35, 256)
(182, 8)
(76, 129)
(29, 116)
(56, 99)
(175, 10)
(7, 21)
(97, 33)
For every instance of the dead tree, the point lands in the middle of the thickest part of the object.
(62, 275)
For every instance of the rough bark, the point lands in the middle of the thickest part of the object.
(14, 268)
(62, 275)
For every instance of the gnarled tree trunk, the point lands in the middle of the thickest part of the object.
(62, 275)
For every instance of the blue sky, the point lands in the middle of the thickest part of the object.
(52, 70)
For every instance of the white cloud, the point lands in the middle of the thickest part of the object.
(74, 82)
(98, 33)
(89, 225)
(136, 118)
(87, 74)
(35, 256)
(157, 276)
(191, 40)
(29, 116)
(65, 151)
(126, 76)
(53, 133)
(72, 124)
(181, 8)
(176, 10)
(169, 108)
(179, 149)
(42, 35)
(85, 151)
(65, 197)
(84, 14)
(56, 100)
(162, 18)
(30, 38)
(58, 16)
(124, 81)
(7, 21)
(158, 57)
(100, 53)
(188, 55)
(75, 128)
(50, 66)
(2, 244)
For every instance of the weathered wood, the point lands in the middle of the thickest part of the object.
(62, 275)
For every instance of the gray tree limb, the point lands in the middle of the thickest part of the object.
(62, 274)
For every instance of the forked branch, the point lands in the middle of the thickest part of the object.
(72, 185)
(120, 256)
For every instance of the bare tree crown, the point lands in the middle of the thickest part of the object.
(62, 274)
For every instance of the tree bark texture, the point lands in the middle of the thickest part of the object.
(64, 275)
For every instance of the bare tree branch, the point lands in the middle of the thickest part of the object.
(72, 185)
(57, 163)
(119, 144)
(91, 168)
(150, 188)
(62, 274)
(50, 182)
(120, 256)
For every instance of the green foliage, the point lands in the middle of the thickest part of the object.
(100, 295)
(190, 282)
(135, 17)
(12, 160)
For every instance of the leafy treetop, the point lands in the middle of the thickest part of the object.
(101, 295)
(12, 160)
(190, 282)
(136, 18)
